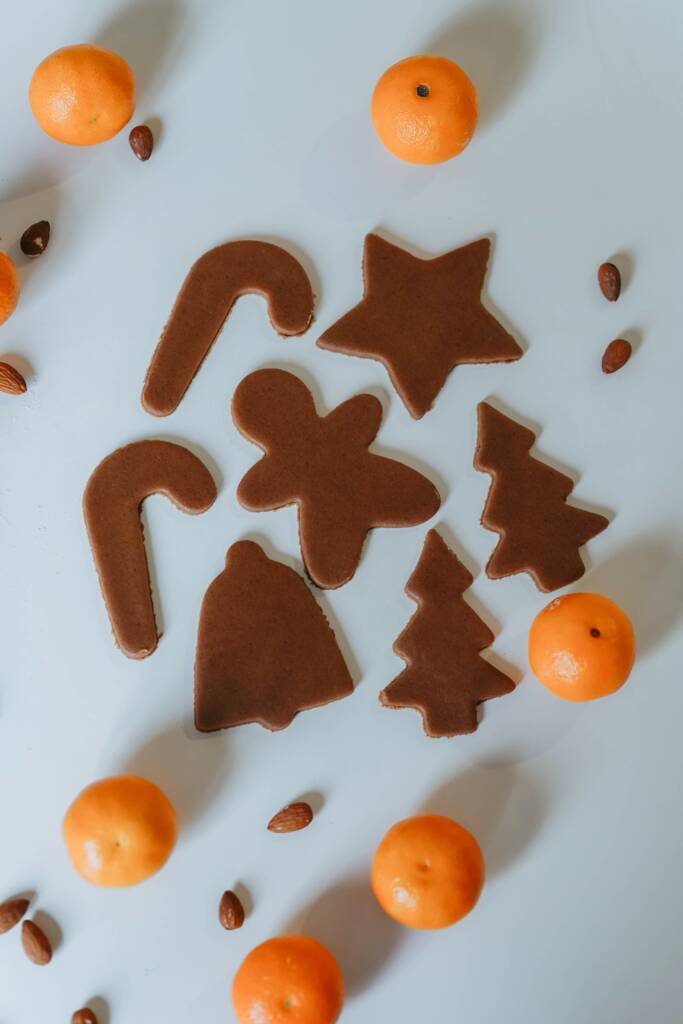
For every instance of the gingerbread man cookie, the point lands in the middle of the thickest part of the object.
(322, 464)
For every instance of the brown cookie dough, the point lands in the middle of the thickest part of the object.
(213, 285)
(445, 677)
(421, 318)
(111, 505)
(265, 650)
(539, 532)
(322, 464)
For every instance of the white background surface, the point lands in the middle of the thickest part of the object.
(265, 133)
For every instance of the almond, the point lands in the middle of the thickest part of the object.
(11, 380)
(84, 1016)
(11, 913)
(291, 818)
(609, 280)
(36, 943)
(35, 239)
(141, 141)
(616, 355)
(231, 911)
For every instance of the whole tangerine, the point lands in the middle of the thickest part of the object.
(120, 830)
(291, 979)
(82, 94)
(428, 872)
(425, 109)
(582, 646)
(9, 287)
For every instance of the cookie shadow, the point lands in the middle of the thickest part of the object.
(342, 642)
(503, 807)
(646, 579)
(189, 767)
(495, 45)
(348, 920)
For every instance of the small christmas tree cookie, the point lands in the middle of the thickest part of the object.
(539, 532)
(445, 678)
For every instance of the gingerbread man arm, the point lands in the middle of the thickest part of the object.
(358, 420)
(111, 505)
(209, 291)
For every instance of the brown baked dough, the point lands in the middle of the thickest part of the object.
(265, 650)
(322, 464)
(539, 532)
(209, 291)
(445, 677)
(111, 505)
(421, 318)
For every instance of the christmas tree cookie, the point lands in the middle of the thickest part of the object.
(445, 677)
(539, 532)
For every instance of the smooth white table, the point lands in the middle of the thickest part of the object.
(265, 133)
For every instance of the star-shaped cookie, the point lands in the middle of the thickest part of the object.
(421, 318)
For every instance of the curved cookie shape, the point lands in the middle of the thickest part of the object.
(526, 505)
(422, 318)
(209, 291)
(111, 505)
(322, 464)
(445, 677)
(265, 650)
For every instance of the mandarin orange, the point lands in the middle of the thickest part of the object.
(82, 94)
(291, 979)
(582, 646)
(425, 109)
(120, 830)
(428, 872)
(9, 287)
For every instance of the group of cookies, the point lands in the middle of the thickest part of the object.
(265, 650)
